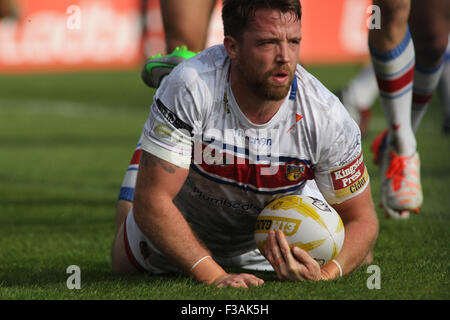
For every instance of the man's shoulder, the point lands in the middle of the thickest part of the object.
(202, 67)
(195, 85)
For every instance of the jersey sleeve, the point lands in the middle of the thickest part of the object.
(173, 120)
(341, 173)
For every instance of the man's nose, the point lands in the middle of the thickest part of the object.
(283, 52)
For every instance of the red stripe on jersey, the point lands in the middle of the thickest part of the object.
(259, 175)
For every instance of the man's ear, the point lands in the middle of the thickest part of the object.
(232, 47)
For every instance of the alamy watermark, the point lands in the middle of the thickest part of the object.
(74, 280)
(73, 21)
(374, 21)
(374, 280)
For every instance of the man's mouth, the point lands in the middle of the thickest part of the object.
(280, 77)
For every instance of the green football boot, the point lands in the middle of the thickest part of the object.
(159, 66)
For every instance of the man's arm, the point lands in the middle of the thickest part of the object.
(361, 230)
(158, 182)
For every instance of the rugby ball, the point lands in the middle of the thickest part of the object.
(308, 223)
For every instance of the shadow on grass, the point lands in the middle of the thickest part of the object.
(49, 202)
(32, 278)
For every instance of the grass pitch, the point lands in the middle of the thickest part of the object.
(65, 143)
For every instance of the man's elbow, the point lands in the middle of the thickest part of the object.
(143, 205)
(148, 206)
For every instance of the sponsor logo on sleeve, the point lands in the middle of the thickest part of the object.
(170, 136)
(349, 179)
(172, 118)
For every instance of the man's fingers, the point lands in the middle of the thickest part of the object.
(233, 282)
(302, 255)
(308, 266)
(252, 280)
(238, 284)
(285, 248)
(274, 255)
(289, 264)
(243, 280)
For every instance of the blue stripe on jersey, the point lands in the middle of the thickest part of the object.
(293, 89)
(289, 159)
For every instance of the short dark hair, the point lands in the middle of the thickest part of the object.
(236, 14)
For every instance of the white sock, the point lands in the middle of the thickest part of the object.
(425, 83)
(394, 70)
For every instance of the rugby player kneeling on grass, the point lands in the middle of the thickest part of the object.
(225, 129)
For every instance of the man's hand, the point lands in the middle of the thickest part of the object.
(290, 264)
(243, 280)
(209, 272)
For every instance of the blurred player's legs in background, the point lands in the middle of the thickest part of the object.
(157, 67)
(394, 57)
(186, 29)
(6, 9)
(186, 23)
(359, 95)
(392, 53)
(429, 23)
(444, 89)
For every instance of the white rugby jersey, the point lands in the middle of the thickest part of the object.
(235, 166)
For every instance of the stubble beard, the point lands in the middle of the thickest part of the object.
(263, 86)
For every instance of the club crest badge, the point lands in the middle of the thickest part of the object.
(294, 172)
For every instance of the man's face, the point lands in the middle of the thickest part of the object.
(268, 53)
